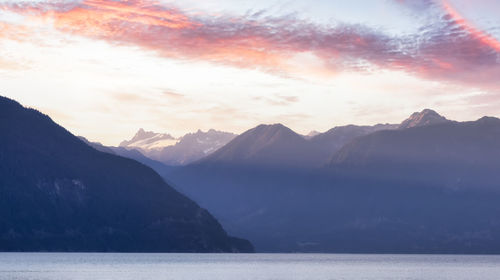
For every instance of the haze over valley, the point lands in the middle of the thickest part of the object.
(329, 127)
(426, 185)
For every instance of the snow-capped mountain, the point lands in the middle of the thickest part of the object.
(169, 150)
(149, 140)
(192, 147)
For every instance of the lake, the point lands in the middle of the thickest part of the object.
(62, 266)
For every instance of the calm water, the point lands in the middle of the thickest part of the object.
(62, 266)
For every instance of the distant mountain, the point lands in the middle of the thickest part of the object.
(192, 147)
(148, 140)
(178, 151)
(265, 146)
(280, 147)
(426, 117)
(453, 154)
(429, 188)
(334, 139)
(60, 194)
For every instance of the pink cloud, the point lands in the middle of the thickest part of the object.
(449, 49)
(477, 34)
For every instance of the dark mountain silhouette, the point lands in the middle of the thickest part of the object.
(134, 154)
(59, 194)
(98, 146)
(430, 188)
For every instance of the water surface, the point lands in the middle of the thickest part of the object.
(65, 266)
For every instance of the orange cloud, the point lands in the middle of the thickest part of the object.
(94, 17)
(13, 31)
(165, 30)
(451, 49)
(7, 64)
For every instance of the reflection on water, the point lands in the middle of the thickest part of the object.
(63, 266)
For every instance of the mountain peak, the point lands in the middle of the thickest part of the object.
(264, 145)
(273, 126)
(143, 139)
(488, 120)
(272, 131)
(142, 134)
(425, 117)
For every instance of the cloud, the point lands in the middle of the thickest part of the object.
(278, 100)
(453, 49)
(448, 49)
(457, 20)
(417, 5)
(173, 95)
(13, 31)
(10, 65)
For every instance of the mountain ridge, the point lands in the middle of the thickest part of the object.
(60, 194)
(430, 188)
(273, 145)
(463, 147)
(177, 151)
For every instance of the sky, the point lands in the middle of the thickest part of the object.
(103, 69)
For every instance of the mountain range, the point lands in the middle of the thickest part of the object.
(450, 154)
(277, 146)
(177, 151)
(265, 145)
(60, 194)
(427, 185)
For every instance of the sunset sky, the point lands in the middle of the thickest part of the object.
(104, 68)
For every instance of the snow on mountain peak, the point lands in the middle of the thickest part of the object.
(178, 151)
(147, 140)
